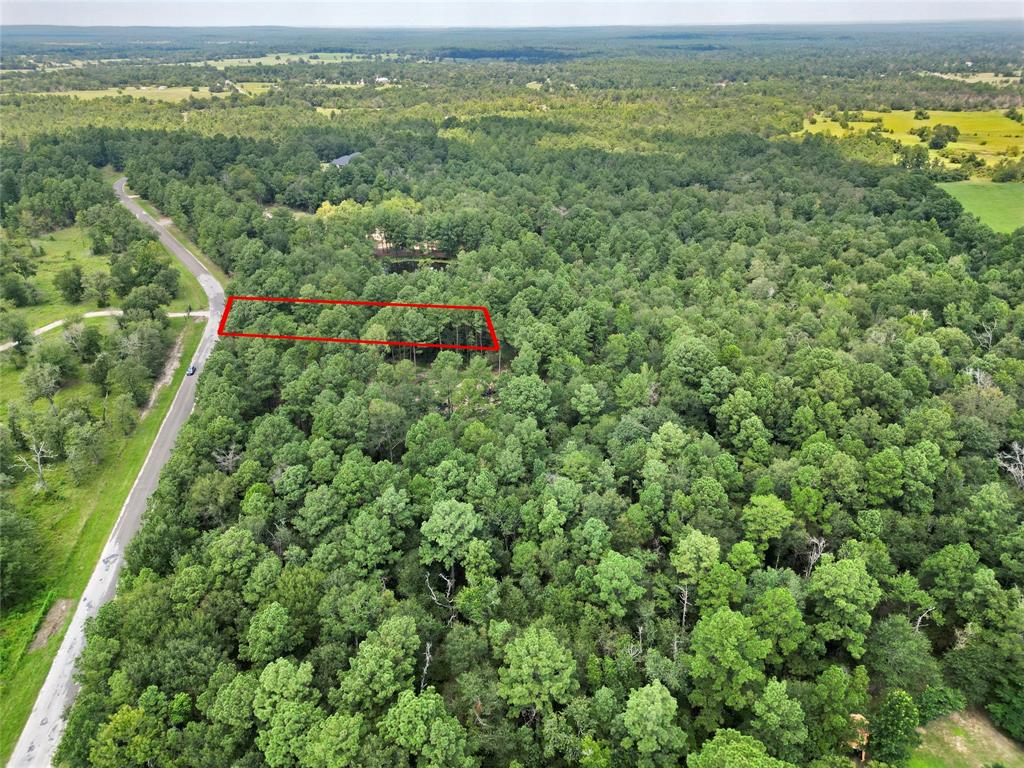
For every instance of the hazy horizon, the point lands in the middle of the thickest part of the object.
(434, 14)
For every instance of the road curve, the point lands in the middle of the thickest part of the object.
(41, 734)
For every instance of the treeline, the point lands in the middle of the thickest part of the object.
(734, 489)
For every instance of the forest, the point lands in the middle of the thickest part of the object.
(742, 488)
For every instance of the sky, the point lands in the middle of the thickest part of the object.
(493, 13)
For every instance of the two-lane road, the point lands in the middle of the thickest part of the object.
(42, 732)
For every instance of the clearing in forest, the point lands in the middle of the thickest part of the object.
(1001, 206)
(965, 740)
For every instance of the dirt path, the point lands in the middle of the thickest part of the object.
(54, 620)
(167, 376)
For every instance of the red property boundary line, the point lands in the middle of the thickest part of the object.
(494, 347)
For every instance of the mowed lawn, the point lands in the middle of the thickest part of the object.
(76, 519)
(66, 247)
(989, 133)
(1001, 206)
(965, 740)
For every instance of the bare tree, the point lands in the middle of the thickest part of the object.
(1013, 462)
(427, 658)
(228, 460)
(684, 598)
(41, 380)
(817, 549)
(981, 378)
(74, 334)
(447, 601)
(636, 649)
(40, 453)
(922, 617)
(986, 336)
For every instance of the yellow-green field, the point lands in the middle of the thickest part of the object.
(65, 247)
(255, 89)
(989, 134)
(151, 92)
(965, 740)
(989, 78)
(1001, 206)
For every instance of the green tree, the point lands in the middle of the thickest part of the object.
(526, 396)
(272, 633)
(732, 749)
(894, 728)
(21, 547)
(727, 666)
(898, 656)
(131, 737)
(843, 595)
(834, 698)
(586, 401)
(286, 706)
(335, 742)
(448, 531)
(884, 481)
(776, 617)
(382, 667)
(765, 518)
(618, 579)
(69, 282)
(651, 729)
(779, 722)
(538, 672)
(693, 557)
(420, 729)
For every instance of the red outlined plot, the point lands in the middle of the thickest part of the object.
(493, 347)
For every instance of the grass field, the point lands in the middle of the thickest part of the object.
(1001, 206)
(65, 247)
(255, 89)
(152, 92)
(989, 134)
(77, 520)
(965, 740)
(989, 78)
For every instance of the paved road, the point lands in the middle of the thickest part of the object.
(99, 313)
(42, 733)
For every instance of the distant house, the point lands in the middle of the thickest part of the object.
(344, 160)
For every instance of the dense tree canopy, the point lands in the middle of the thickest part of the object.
(733, 478)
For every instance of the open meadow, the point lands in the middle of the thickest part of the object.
(151, 92)
(989, 134)
(67, 247)
(1001, 206)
